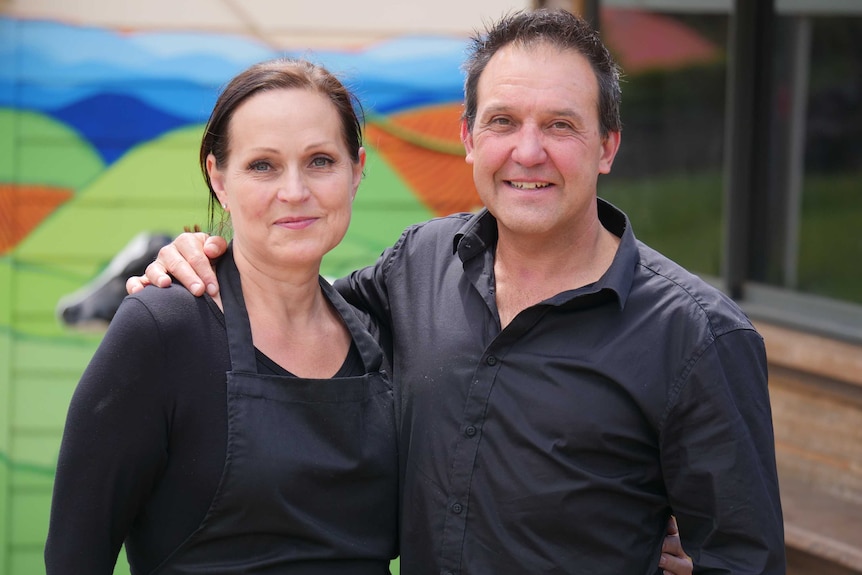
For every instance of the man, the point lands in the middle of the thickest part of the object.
(564, 388)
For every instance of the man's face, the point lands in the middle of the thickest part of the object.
(536, 147)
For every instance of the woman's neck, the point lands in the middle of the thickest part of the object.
(292, 321)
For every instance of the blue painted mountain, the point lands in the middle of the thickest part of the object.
(120, 89)
(114, 123)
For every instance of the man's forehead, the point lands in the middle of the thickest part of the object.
(519, 67)
(530, 58)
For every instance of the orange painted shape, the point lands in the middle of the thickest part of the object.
(443, 182)
(643, 41)
(22, 208)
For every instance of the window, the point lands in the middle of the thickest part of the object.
(741, 155)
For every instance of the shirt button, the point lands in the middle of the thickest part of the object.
(491, 360)
(470, 431)
(457, 508)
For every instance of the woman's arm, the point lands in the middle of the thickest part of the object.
(113, 449)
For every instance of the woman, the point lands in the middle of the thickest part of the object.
(253, 433)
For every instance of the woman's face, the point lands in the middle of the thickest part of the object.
(289, 181)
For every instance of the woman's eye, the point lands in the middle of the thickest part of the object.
(259, 166)
(321, 162)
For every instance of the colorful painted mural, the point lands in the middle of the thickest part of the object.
(99, 131)
(98, 143)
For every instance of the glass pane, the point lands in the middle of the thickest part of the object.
(668, 174)
(830, 245)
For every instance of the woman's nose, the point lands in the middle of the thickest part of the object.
(292, 187)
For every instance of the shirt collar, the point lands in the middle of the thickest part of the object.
(480, 233)
(620, 274)
(476, 235)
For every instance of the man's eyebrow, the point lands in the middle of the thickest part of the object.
(495, 109)
(559, 112)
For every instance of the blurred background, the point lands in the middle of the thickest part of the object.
(741, 159)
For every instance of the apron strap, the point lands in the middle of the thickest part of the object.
(242, 357)
(368, 346)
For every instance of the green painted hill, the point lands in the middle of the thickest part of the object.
(36, 149)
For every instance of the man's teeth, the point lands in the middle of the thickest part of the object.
(529, 185)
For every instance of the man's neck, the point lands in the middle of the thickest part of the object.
(528, 272)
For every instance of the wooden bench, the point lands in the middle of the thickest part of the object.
(816, 392)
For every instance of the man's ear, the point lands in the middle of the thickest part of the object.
(467, 140)
(358, 168)
(610, 146)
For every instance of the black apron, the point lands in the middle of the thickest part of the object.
(310, 482)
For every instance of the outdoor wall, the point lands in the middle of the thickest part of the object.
(101, 110)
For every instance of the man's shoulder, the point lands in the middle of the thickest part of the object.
(688, 293)
(435, 236)
(445, 226)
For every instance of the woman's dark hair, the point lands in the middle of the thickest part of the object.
(274, 75)
(557, 28)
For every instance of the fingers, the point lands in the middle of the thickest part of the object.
(674, 565)
(186, 260)
(215, 246)
(199, 249)
(136, 283)
(672, 546)
(156, 274)
(673, 559)
(171, 260)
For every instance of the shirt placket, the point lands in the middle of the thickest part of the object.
(489, 370)
(462, 462)
(464, 458)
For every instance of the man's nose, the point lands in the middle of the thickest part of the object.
(529, 146)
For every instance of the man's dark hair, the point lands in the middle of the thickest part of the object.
(558, 28)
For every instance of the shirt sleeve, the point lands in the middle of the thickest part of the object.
(718, 457)
(114, 446)
(366, 288)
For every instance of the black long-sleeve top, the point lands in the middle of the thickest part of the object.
(145, 440)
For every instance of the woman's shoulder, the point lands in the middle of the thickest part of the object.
(170, 309)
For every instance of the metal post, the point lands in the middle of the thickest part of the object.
(746, 139)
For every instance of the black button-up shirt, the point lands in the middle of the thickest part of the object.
(561, 443)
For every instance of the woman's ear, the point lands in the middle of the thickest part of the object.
(217, 181)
